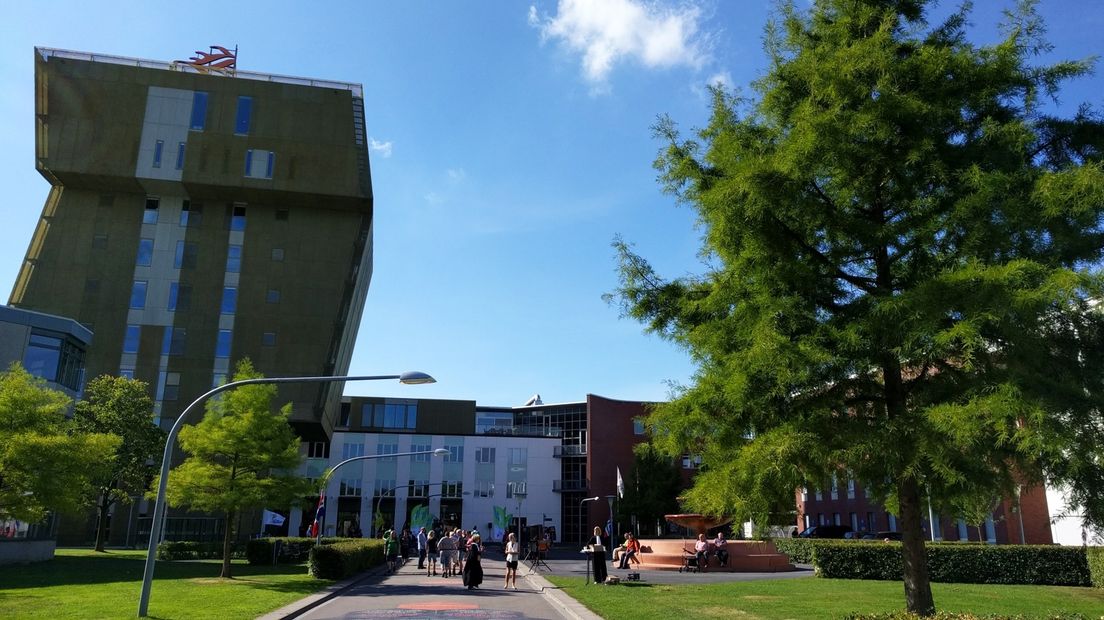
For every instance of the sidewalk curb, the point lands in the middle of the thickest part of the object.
(567, 606)
(303, 605)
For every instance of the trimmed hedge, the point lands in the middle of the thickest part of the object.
(1095, 558)
(344, 558)
(190, 550)
(800, 550)
(957, 563)
(292, 550)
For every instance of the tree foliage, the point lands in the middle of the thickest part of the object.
(121, 407)
(652, 486)
(46, 462)
(242, 455)
(904, 251)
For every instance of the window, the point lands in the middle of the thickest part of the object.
(804, 494)
(318, 450)
(854, 522)
(180, 155)
(229, 300)
(185, 255)
(99, 241)
(346, 410)
(385, 488)
(149, 216)
(241, 120)
(835, 488)
(180, 297)
(131, 338)
(417, 445)
(638, 427)
(190, 214)
(222, 345)
(452, 489)
(145, 252)
(387, 448)
(419, 488)
(691, 461)
(199, 111)
(174, 296)
(172, 386)
(174, 341)
(278, 255)
(484, 488)
(55, 358)
(821, 520)
(484, 455)
(871, 524)
(268, 339)
(351, 450)
(259, 164)
(850, 488)
(518, 456)
(158, 148)
(233, 258)
(138, 294)
(819, 495)
(272, 296)
(455, 455)
(126, 373)
(391, 415)
(350, 487)
(237, 218)
(218, 379)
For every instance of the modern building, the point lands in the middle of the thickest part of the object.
(198, 215)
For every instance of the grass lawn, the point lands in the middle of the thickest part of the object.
(819, 598)
(80, 583)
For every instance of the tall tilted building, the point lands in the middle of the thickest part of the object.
(198, 215)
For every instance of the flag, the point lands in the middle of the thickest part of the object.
(272, 518)
(319, 516)
(609, 527)
(620, 485)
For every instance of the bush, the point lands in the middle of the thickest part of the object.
(957, 563)
(190, 550)
(344, 558)
(1095, 558)
(292, 550)
(948, 615)
(800, 550)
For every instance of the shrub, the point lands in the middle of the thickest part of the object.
(957, 563)
(344, 558)
(190, 550)
(292, 550)
(949, 615)
(800, 550)
(1095, 558)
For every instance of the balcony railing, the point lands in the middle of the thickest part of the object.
(524, 431)
(569, 450)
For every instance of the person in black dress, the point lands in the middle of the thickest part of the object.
(473, 569)
(598, 555)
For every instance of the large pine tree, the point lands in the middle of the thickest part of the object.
(905, 254)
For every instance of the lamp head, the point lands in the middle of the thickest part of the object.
(441, 452)
(414, 377)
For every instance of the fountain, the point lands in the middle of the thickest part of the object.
(745, 556)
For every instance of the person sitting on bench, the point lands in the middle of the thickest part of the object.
(631, 551)
(701, 552)
(720, 546)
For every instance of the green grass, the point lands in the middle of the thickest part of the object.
(80, 583)
(819, 598)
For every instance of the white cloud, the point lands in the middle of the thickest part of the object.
(606, 32)
(456, 174)
(722, 80)
(383, 148)
(434, 198)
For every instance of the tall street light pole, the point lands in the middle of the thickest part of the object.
(583, 518)
(156, 526)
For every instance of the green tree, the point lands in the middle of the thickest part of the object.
(652, 487)
(121, 407)
(46, 464)
(902, 248)
(242, 455)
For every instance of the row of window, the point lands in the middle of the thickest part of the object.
(55, 358)
(242, 119)
(191, 214)
(175, 341)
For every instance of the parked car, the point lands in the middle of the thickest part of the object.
(825, 531)
(882, 536)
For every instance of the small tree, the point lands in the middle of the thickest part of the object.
(122, 407)
(652, 486)
(45, 462)
(242, 455)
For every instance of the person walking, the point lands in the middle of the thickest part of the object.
(422, 540)
(513, 553)
(446, 549)
(598, 555)
(431, 553)
(473, 568)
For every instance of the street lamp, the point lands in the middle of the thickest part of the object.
(391, 492)
(157, 525)
(583, 519)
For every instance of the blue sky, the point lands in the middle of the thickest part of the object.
(511, 143)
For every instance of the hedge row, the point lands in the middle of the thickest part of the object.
(800, 550)
(1095, 558)
(292, 550)
(344, 558)
(948, 615)
(189, 550)
(956, 563)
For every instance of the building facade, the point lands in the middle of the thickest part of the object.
(197, 218)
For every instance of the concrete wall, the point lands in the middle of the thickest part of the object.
(25, 551)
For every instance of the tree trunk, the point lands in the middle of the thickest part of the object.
(101, 522)
(228, 527)
(918, 594)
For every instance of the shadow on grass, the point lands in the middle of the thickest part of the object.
(65, 570)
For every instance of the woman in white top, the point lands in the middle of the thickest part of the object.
(513, 551)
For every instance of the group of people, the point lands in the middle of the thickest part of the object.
(459, 552)
(703, 549)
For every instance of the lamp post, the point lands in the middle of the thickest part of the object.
(329, 473)
(609, 500)
(391, 491)
(583, 519)
(156, 525)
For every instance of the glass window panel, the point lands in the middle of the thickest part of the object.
(158, 148)
(43, 356)
(249, 162)
(174, 295)
(245, 110)
(149, 216)
(272, 296)
(131, 338)
(222, 345)
(412, 416)
(229, 300)
(237, 219)
(377, 417)
(278, 254)
(180, 156)
(199, 110)
(233, 259)
(270, 164)
(145, 252)
(268, 339)
(138, 295)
